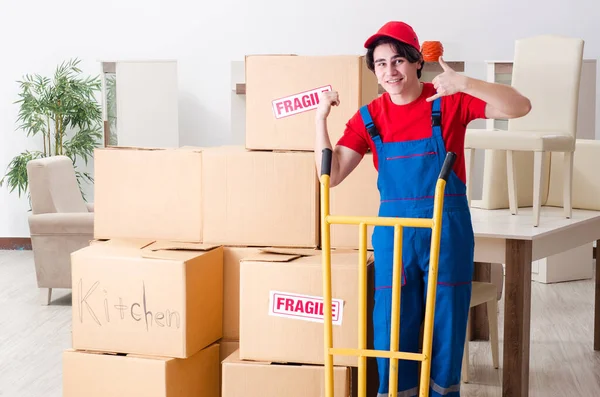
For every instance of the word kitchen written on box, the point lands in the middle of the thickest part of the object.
(162, 299)
(298, 103)
(303, 307)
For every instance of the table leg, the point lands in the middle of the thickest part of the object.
(597, 303)
(479, 321)
(517, 319)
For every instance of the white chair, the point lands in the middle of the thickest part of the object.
(483, 293)
(547, 70)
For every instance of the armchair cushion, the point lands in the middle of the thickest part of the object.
(53, 186)
(539, 141)
(68, 223)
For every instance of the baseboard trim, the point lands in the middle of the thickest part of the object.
(15, 243)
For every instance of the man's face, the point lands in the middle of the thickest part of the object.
(394, 73)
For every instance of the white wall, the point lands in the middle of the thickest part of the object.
(206, 36)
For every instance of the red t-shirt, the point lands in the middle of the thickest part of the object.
(412, 121)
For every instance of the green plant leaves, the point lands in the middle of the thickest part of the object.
(82, 144)
(16, 177)
(57, 107)
(34, 109)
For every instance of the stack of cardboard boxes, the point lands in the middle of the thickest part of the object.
(281, 293)
(147, 293)
(205, 248)
(146, 316)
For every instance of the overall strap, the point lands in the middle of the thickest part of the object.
(436, 117)
(368, 121)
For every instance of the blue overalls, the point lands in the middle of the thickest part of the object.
(408, 173)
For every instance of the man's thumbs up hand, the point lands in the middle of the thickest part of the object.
(448, 82)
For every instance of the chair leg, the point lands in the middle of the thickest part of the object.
(568, 184)
(470, 161)
(512, 182)
(45, 296)
(538, 168)
(465, 360)
(492, 314)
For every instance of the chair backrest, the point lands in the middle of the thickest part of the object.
(53, 186)
(547, 70)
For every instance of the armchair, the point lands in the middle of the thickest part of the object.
(61, 222)
(547, 70)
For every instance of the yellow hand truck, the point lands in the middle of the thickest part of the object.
(434, 223)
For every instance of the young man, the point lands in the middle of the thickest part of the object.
(409, 129)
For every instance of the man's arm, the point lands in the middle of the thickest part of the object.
(503, 101)
(343, 159)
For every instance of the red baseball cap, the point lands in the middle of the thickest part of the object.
(396, 30)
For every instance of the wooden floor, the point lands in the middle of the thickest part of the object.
(563, 362)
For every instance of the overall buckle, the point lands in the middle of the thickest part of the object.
(372, 130)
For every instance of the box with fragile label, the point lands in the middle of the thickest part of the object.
(281, 306)
(161, 299)
(266, 379)
(282, 93)
(259, 198)
(357, 195)
(148, 193)
(95, 374)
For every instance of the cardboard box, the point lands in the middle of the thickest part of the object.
(94, 374)
(227, 347)
(125, 242)
(265, 379)
(281, 314)
(231, 289)
(163, 299)
(282, 92)
(148, 193)
(265, 199)
(357, 195)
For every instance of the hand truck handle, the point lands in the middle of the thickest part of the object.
(447, 166)
(326, 162)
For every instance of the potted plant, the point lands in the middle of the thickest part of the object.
(65, 113)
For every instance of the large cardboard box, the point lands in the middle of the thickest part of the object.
(282, 92)
(148, 193)
(94, 374)
(257, 198)
(281, 307)
(265, 379)
(231, 289)
(356, 195)
(163, 299)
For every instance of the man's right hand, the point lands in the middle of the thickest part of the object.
(326, 100)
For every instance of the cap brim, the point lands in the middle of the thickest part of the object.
(372, 39)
